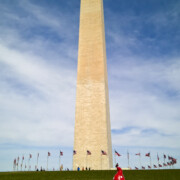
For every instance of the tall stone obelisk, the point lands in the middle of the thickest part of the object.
(92, 121)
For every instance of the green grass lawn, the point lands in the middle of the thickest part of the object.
(93, 175)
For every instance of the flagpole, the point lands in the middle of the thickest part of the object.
(86, 158)
(14, 167)
(21, 164)
(115, 157)
(101, 160)
(140, 160)
(22, 160)
(28, 164)
(72, 159)
(37, 160)
(87, 162)
(128, 158)
(59, 162)
(17, 162)
(163, 157)
(47, 163)
(150, 160)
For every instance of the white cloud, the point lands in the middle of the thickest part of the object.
(146, 95)
(43, 104)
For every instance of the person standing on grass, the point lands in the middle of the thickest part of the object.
(119, 175)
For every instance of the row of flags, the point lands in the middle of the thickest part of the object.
(17, 162)
(30, 156)
(148, 155)
(171, 160)
(89, 152)
(159, 165)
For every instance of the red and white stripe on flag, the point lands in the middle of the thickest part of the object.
(88, 152)
(103, 152)
(74, 152)
(116, 153)
(148, 155)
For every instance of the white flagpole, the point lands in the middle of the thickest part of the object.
(60, 161)
(128, 158)
(37, 160)
(47, 163)
(86, 160)
(17, 163)
(87, 165)
(140, 160)
(158, 160)
(114, 157)
(28, 162)
(22, 162)
(101, 160)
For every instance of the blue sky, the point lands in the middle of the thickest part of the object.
(38, 69)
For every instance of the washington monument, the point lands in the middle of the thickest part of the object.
(92, 138)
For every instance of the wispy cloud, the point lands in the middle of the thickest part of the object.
(37, 78)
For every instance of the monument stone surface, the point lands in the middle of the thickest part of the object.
(92, 119)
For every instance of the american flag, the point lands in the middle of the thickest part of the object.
(14, 161)
(148, 155)
(160, 165)
(174, 160)
(168, 164)
(143, 167)
(149, 167)
(49, 154)
(164, 164)
(88, 152)
(169, 157)
(23, 158)
(30, 156)
(164, 156)
(138, 154)
(103, 152)
(155, 166)
(61, 153)
(136, 168)
(157, 157)
(74, 152)
(116, 153)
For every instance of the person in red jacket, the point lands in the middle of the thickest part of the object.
(119, 174)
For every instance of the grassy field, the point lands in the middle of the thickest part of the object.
(93, 175)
